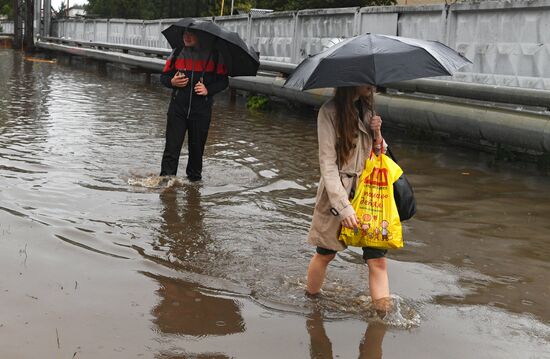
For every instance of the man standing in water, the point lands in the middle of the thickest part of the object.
(195, 73)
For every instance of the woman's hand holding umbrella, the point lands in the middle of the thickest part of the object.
(376, 126)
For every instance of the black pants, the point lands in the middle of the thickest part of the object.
(176, 126)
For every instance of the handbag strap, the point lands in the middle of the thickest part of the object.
(390, 153)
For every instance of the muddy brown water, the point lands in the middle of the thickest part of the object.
(100, 259)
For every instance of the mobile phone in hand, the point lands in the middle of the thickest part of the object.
(180, 74)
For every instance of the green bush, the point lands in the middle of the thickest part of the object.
(5, 9)
(258, 102)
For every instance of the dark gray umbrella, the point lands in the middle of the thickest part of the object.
(375, 60)
(240, 59)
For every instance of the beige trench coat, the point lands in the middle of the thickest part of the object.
(336, 184)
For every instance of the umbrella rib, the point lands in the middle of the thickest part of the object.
(437, 61)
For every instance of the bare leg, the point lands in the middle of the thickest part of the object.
(378, 278)
(316, 272)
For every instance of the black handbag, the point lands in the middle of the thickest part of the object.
(403, 194)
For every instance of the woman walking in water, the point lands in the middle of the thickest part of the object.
(348, 131)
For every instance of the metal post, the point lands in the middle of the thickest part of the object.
(232, 3)
(159, 34)
(144, 34)
(37, 19)
(47, 17)
(357, 22)
(450, 28)
(125, 33)
(29, 25)
(17, 25)
(295, 55)
(108, 30)
(249, 30)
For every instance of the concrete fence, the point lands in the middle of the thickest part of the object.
(6, 27)
(507, 41)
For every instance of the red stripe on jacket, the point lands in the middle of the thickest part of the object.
(195, 65)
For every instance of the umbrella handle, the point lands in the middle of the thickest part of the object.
(377, 135)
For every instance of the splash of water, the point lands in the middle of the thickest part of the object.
(156, 181)
(339, 299)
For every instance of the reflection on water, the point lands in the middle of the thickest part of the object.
(77, 151)
(183, 236)
(185, 309)
(320, 347)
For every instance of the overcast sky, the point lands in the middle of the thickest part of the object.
(57, 3)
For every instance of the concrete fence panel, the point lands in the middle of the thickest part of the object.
(7, 27)
(151, 30)
(273, 35)
(508, 46)
(101, 30)
(426, 22)
(90, 30)
(133, 34)
(378, 20)
(79, 28)
(117, 32)
(238, 23)
(508, 42)
(316, 28)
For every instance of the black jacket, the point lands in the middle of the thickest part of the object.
(195, 63)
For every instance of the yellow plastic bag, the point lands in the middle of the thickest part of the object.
(374, 205)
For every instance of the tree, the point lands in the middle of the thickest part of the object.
(62, 12)
(162, 9)
(147, 9)
(6, 9)
(279, 5)
(243, 5)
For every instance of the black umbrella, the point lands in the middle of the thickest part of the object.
(375, 60)
(240, 59)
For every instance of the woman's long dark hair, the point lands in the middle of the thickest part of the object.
(346, 119)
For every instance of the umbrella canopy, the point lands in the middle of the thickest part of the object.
(375, 60)
(240, 59)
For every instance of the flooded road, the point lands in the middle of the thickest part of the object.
(100, 259)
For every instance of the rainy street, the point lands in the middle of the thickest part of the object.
(101, 258)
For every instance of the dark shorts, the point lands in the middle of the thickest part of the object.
(368, 252)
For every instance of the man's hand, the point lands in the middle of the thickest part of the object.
(179, 80)
(200, 89)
